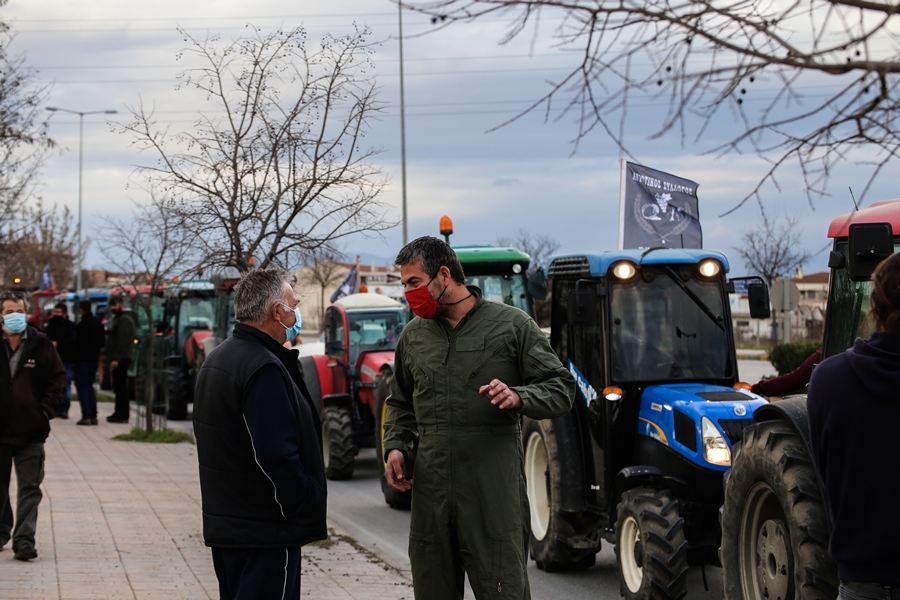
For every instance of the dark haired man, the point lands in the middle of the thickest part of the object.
(61, 332)
(32, 378)
(88, 342)
(466, 371)
(119, 351)
(262, 479)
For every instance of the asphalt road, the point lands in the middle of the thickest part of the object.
(358, 507)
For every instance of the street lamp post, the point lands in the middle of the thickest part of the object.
(80, 172)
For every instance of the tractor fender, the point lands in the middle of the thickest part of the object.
(337, 401)
(194, 346)
(326, 378)
(643, 476)
(792, 410)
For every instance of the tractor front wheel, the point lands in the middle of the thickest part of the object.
(338, 449)
(179, 386)
(650, 546)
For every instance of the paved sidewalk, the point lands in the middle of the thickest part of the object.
(121, 520)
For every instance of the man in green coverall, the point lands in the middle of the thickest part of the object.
(466, 371)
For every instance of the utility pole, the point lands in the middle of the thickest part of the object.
(402, 129)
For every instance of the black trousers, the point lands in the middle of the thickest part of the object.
(29, 463)
(120, 389)
(259, 574)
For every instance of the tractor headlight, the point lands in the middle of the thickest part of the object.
(517, 268)
(624, 270)
(715, 448)
(709, 268)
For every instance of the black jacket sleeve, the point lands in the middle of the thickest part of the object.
(271, 420)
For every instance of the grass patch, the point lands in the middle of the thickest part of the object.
(160, 436)
(101, 397)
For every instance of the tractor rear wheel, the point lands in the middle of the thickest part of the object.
(775, 529)
(550, 529)
(650, 546)
(311, 379)
(394, 499)
(179, 385)
(338, 450)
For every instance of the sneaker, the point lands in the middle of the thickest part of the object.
(116, 419)
(93, 422)
(62, 415)
(25, 553)
(87, 421)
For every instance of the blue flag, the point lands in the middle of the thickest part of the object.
(348, 286)
(657, 209)
(46, 281)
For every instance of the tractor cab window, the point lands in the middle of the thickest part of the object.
(194, 314)
(374, 330)
(659, 332)
(506, 289)
(334, 326)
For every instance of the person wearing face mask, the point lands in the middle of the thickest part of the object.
(32, 382)
(119, 351)
(466, 371)
(259, 445)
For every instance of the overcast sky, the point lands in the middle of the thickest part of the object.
(106, 54)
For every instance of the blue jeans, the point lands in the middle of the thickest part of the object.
(85, 374)
(851, 590)
(67, 399)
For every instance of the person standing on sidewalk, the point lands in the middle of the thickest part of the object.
(88, 343)
(259, 445)
(32, 379)
(119, 349)
(853, 402)
(61, 332)
(466, 371)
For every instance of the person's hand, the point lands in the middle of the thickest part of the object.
(501, 396)
(113, 365)
(394, 470)
(54, 344)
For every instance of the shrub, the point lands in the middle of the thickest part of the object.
(787, 357)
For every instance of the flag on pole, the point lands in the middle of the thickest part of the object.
(348, 286)
(46, 281)
(657, 209)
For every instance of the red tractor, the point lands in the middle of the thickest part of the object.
(361, 332)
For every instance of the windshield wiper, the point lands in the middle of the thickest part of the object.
(706, 309)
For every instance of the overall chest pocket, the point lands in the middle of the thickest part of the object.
(484, 355)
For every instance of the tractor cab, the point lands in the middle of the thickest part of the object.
(362, 323)
(499, 272)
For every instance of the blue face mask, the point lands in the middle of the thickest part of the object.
(293, 331)
(14, 322)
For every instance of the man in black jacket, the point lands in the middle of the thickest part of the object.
(61, 332)
(89, 337)
(262, 480)
(32, 379)
(119, 351)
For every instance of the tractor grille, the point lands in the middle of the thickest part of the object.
(734, 428)
(573, 265)
(685, 432)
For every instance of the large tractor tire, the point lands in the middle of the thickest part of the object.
(551, 529)
(394, 499)
(650, 546)
(775, 529)
(338, 450)
(311, 379)
(179, 382)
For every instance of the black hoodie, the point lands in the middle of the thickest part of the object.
(854, 417)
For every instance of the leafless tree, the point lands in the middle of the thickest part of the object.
(45, 237)
(323, 271)
(151, 248)
(809, 81)
(538, 246)
(277, 166)
(770, 250)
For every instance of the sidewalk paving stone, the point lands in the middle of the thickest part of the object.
(121, 520)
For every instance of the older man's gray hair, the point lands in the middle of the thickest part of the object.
(257, 291)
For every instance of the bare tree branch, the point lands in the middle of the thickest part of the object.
(771, 251)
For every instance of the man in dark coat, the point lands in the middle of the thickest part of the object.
(89, 336)
(262, 480)
(61, 332)
(32, 379)
(119, 350)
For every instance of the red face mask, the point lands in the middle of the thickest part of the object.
(421, 302)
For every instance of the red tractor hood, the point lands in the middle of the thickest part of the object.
(371, 363)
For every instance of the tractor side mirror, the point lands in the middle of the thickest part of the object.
(758, 298)
(582, 303)
(870, 243)
(334, 347)
(537, 285)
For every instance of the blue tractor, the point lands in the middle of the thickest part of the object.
(640, 458)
